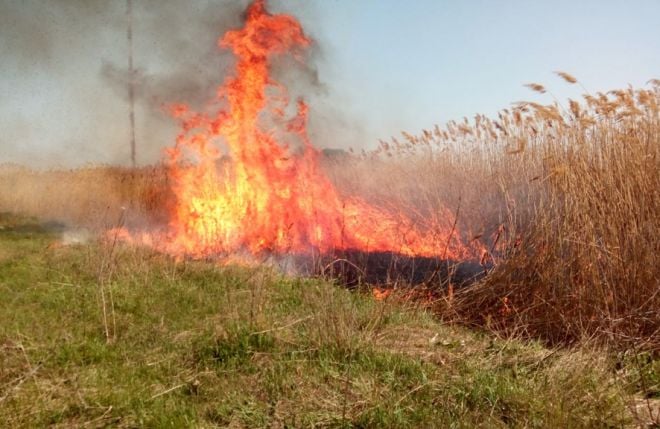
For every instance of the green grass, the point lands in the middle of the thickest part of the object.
(194, 344)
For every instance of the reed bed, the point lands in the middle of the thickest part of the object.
(94, 197)
(564, 201)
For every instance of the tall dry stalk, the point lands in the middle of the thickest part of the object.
(566, 199)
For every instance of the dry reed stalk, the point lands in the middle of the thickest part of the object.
(578, 202)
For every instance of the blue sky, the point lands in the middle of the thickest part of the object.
(387, 66)
(409, 65)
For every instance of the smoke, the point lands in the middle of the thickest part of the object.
(64, 76)
(33, 33)
(177, 44)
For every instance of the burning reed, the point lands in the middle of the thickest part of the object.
(563, 201)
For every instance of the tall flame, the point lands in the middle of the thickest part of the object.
(271, 196)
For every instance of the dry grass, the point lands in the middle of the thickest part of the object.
(91, 197)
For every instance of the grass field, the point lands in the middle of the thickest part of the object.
(98, 334)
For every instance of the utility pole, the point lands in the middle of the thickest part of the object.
(131, 78)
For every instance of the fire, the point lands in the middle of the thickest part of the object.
(247, 179)
(381, 294)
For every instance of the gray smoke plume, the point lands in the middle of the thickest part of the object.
(64, 75)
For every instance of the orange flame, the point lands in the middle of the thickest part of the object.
(272, 195)
(380, 294)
